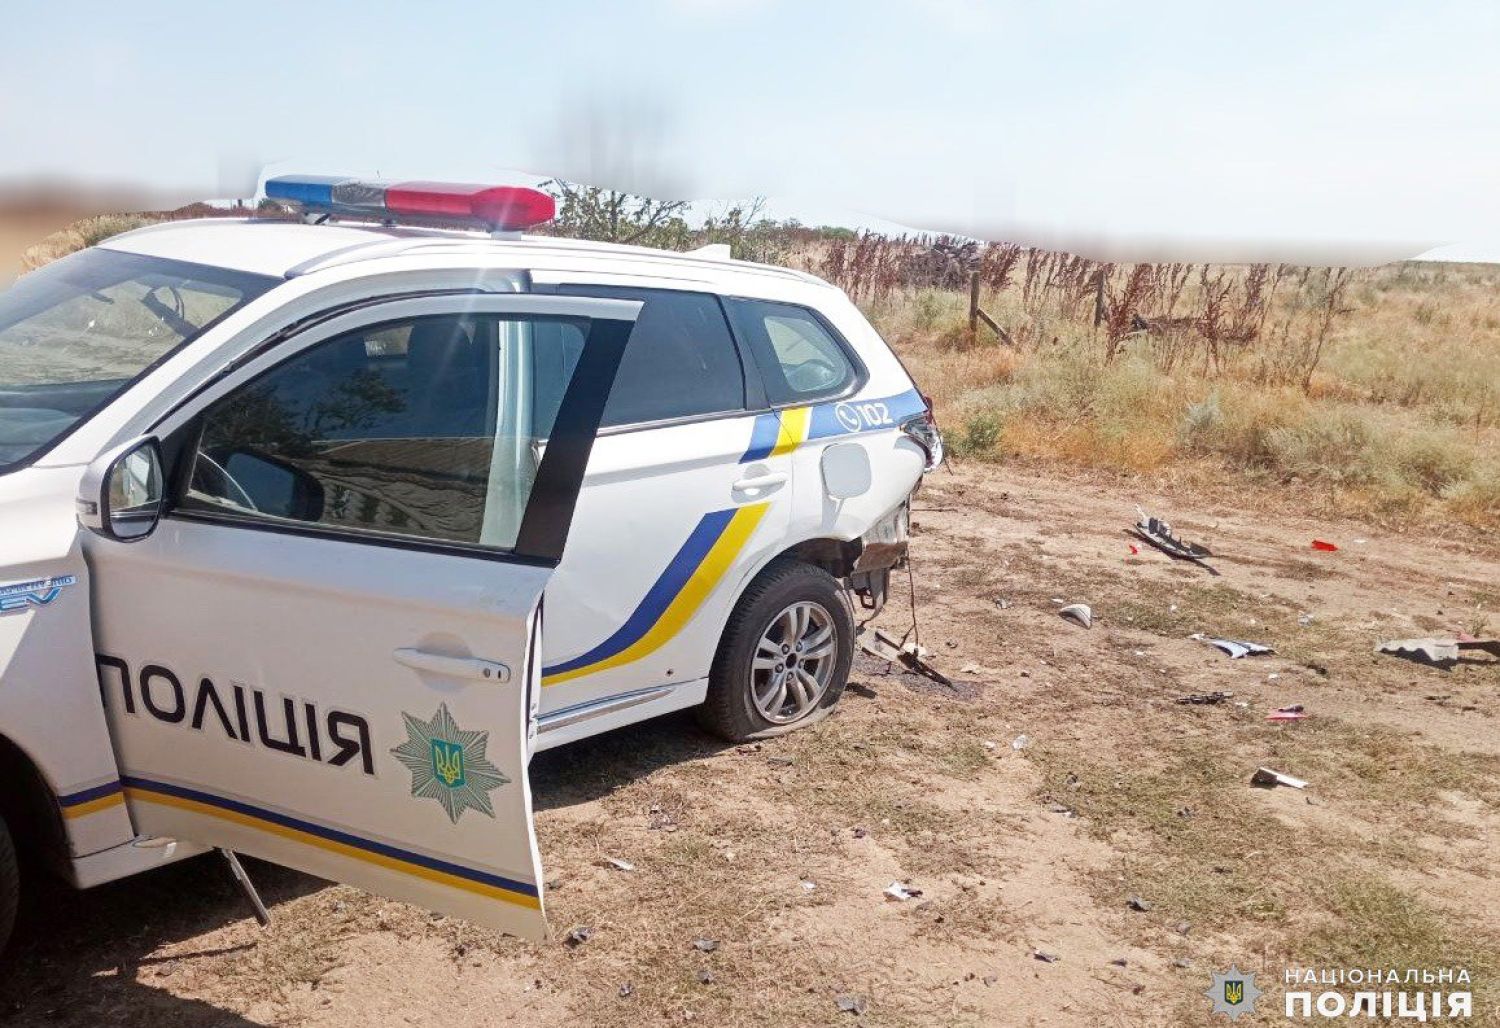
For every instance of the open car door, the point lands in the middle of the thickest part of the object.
(325, 651)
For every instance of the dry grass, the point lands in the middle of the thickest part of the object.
(1372, 391)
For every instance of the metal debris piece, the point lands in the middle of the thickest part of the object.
(1236, 648)
(705, 976)
(1138, 904)
(627, 989)
(705, 945)
(1119, 962)
(578, 936)
(1045, 957)
(909, 656)
(852, 1003)
(1269, 779)
(1020, 742)
(1206, 699)
(808, 885)
(1078, 612)
(1159, 534)
(618, 864)
(1292, 713)
(1324, 547)
(900, 892)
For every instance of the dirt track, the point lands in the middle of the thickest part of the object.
(780, 852)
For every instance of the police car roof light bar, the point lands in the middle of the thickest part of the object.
(497, 208)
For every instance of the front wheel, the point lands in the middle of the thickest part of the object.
(784, 656)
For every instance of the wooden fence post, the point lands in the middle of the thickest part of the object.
(973, 303)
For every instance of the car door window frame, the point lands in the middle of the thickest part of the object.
(549, 508)
(754, 386)
(861, 373)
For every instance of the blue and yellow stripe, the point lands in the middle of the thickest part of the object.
(783, 431)
(334, 840)
(674, 598)
(91, 801)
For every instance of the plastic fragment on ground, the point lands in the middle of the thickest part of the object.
(1269, 778)
(1078, 612)
(1236, 648)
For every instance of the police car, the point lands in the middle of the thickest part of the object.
(314, 530)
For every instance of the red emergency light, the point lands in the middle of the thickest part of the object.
(499, 208)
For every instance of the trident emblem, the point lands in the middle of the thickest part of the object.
(448, 763)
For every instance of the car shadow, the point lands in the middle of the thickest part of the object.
(78, 958)
(592, 768)
(87, 958)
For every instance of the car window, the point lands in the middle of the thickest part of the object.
(681, 360)
(76, 333)
(798, 358)
(427, 427)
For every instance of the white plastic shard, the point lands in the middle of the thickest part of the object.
(1080, 613)
(1236, 648)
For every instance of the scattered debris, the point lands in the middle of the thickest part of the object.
(1182, 927)
(705, 945)
(1119, 962)
(989, 744)
(1078, 612)
(908, 655)
(1138, 904)
(1205, 699)
(1304, 619)
(1292, 713)
(860, 833)
(852, 1003)
(1020, 742)
(578, 936)
(781, 761)
(1325, 547)
(627, 989)
(1045, 957)
(705, 976)
(1236, 648)
(1269, 779)
(1061, 808)
(808, 885)
(1439, 652)
(1134, 549)
(1183, 962)
(1002, 602)
(1159, 534)
(618, 864)
(900, 892)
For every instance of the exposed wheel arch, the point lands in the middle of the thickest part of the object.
(29, 807)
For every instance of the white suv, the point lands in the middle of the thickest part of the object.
(329, 471)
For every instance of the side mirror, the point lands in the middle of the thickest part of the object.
(846, 471)
(261, 483)
(121, 494)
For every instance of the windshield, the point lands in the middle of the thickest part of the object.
(74, 334)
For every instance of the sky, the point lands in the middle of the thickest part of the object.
(1335, 130)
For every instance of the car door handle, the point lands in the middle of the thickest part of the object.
(760, 481)
(453, 667)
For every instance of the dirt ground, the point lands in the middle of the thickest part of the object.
(1030, 806)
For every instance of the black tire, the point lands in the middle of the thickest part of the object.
(10, 885)
(729, 710)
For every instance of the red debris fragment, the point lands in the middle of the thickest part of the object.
(1319, 544)
(1134, 549)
